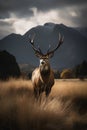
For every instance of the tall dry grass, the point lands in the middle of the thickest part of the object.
(70, 87)
(19, 110)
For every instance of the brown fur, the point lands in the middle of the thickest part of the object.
(42, 83)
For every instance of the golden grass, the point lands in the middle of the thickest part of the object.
(70, 87)
(19, 110)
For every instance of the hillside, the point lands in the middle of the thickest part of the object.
(83, 31)
(72, 52)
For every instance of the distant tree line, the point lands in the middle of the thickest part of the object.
(79, 71)
(10, 68)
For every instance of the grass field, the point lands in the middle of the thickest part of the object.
(64, 109)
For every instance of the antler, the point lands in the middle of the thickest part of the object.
(51, 53)
(38, 51)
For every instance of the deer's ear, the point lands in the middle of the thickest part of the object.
(38, 54)
(49, 55)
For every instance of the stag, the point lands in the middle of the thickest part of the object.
(43, 76)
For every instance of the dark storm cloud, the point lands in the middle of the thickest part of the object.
(5, 28)
(82, 17)
(21, 7)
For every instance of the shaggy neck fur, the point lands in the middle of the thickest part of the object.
(45, 70)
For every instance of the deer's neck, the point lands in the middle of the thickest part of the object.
(45, 70)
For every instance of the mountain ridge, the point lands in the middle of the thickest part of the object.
(72, 52)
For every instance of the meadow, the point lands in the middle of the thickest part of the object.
(64, 109)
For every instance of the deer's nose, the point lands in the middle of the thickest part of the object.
(42, 61)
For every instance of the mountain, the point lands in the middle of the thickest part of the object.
(73, 51)
(83, 31)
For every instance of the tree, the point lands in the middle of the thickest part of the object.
(66, 74)
(56, 74)
(8, 66)
(80, 70)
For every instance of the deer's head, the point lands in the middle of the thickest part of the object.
(44, 58)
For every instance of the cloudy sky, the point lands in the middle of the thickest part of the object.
(18, 16)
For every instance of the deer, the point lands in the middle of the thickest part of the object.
(43, 76)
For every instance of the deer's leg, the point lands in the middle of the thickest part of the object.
(47, 91)
(48, 88)
(36, 92)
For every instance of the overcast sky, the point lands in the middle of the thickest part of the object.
(18, 16)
